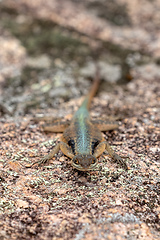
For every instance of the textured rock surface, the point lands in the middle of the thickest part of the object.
(140, 34)
(55, 201)
(12, 56)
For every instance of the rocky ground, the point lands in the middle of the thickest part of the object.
(48, 51)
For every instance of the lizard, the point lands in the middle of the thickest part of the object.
(82, 140)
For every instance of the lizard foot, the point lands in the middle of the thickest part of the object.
(119, 160)
(39, 162)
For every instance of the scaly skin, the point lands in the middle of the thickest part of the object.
(82, 139)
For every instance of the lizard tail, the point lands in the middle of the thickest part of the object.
(87, 101)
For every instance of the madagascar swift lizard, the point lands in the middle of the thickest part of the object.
(82, 139)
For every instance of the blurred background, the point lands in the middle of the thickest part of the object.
(49, 48)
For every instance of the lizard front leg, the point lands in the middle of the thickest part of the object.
(47, 157)
(64, 148)
(104, 145)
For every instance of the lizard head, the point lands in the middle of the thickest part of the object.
(84, 162)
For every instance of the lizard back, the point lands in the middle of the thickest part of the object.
(83, 136)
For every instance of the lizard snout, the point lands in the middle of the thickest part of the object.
(84, 162)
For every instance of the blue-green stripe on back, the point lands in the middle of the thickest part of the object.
(83, 138)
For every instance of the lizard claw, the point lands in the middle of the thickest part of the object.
(39, 162)
(121, 161)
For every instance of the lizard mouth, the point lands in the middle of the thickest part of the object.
(84, 162)
(80, 168)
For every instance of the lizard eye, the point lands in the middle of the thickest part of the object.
(93, 161)
(76, 161)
